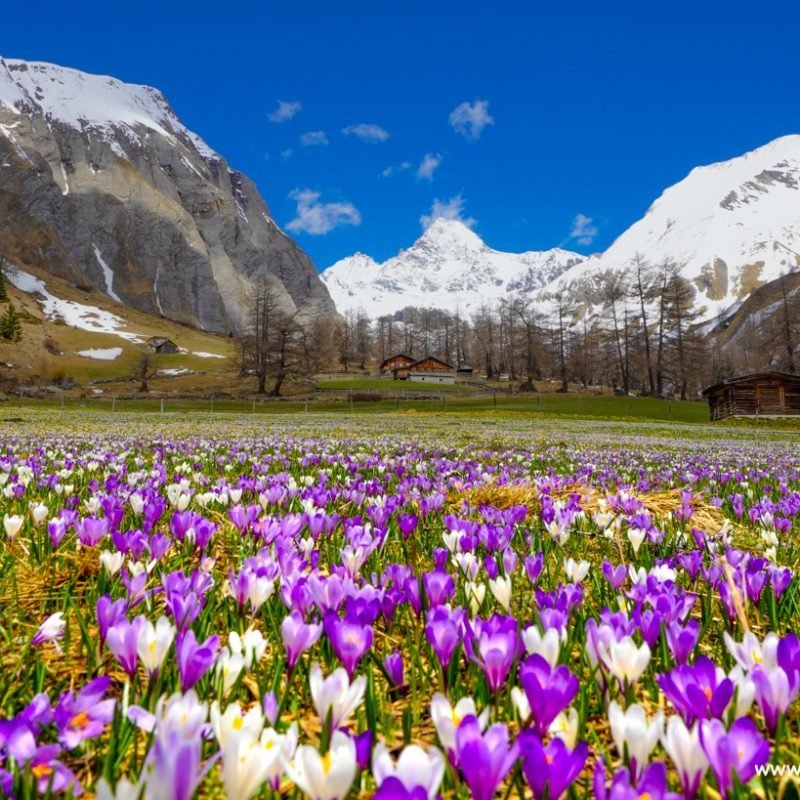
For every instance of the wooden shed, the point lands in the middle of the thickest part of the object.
(762, 394)
(160, 344)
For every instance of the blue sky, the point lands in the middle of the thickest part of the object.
(533, 114)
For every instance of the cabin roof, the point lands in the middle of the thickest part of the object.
(787, 377)
(385, 361)
(431, 358)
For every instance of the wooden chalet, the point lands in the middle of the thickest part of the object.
(762, 394)
(427, 370)
(397, 365)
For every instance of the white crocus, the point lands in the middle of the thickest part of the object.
(251, 646)
(234, 721)
(124, 790)
(684, 749)
(547, 644)
(248, 761)
(259, 591)
(565, 727)
(327, 777)
(447, 718)
(153, 643)
(335, 694)
(501, 590)
(520, 701)
(636, 537)
(576, 571)
(751, 652)
(39, 513)
(476, 592)
(112, 561)
(228, 667)
(745, 689)
(415, 767)
(631, 729)
(624, 659)
(12, 523)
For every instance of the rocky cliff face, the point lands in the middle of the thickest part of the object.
(101, 184)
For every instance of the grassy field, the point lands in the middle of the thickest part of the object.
(542, 406)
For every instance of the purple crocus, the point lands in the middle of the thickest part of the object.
(493, 645)
(444, 632)
(439, 587)
(109, 613)
(774, 694)
(393, 664)
(652, 784)
(194, 659)
(549, 690)
(699, 691)
(550, 770)
(122, 640)
(485, 758)
(298, 636)
(85, 715)
(735, 752)
(349, 640)
(393, 788)
(682, 640)
(614, 575)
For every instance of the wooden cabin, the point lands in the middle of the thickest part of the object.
(397, 365)
(432, 370)
(762, 394)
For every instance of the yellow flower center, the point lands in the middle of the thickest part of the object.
(326, 762)
(80, 720)
(41, 771)
(237, 723)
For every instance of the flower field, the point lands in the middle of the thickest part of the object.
(396, 608)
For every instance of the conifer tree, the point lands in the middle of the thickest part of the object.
(10, 325)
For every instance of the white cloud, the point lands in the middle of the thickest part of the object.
(449, 209)
(428, 166)
(319, 218)
(312, 138)
(367, 132)
(469, 119)
(583, 231)
(393, 170)
(285, 111)
(287, 153)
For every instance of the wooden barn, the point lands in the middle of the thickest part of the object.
(762, 394)
(397, 365)
(160, 344)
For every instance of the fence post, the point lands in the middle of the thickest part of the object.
(351, 401)
(306, 409)
(162, 405)
(494, 397)
(212, 402)
(254, 405)
(113, 403)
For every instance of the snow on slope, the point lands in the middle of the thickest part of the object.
(83, 101)
(449, 266)
(730, 227)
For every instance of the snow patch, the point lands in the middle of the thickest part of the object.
(76, 315)
(101, 353)
(108, 275)
(203, 354)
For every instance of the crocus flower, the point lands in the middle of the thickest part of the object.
(335, 694)
(393, 789)
(493, 644)
(393, 664)
(624, 659)
(194, 659)
(774, 694)
(298, 636)
(683, 747)
(444, 632)
(153, 643)
(349, 640)
(122, 640)
(447, 718)
(550, 770)
(549, 690)
(699, 691)
(50, 630)
(634, 733)
(484, 758)
(735, 752)
(85, 715)
(327, 777)
(547, 644)
(415, 767)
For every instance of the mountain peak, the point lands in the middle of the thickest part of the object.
(452, 233)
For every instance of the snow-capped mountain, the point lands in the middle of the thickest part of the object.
(103, 186)
(731, 227)
(448, 267)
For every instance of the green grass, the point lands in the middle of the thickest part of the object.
(543, 405)
(389, 385)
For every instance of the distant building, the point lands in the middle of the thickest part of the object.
(160, 344)
(762, 394)
(397, 365)
(426, 370)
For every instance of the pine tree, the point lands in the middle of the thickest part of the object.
(3, 289)
(10, 325)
